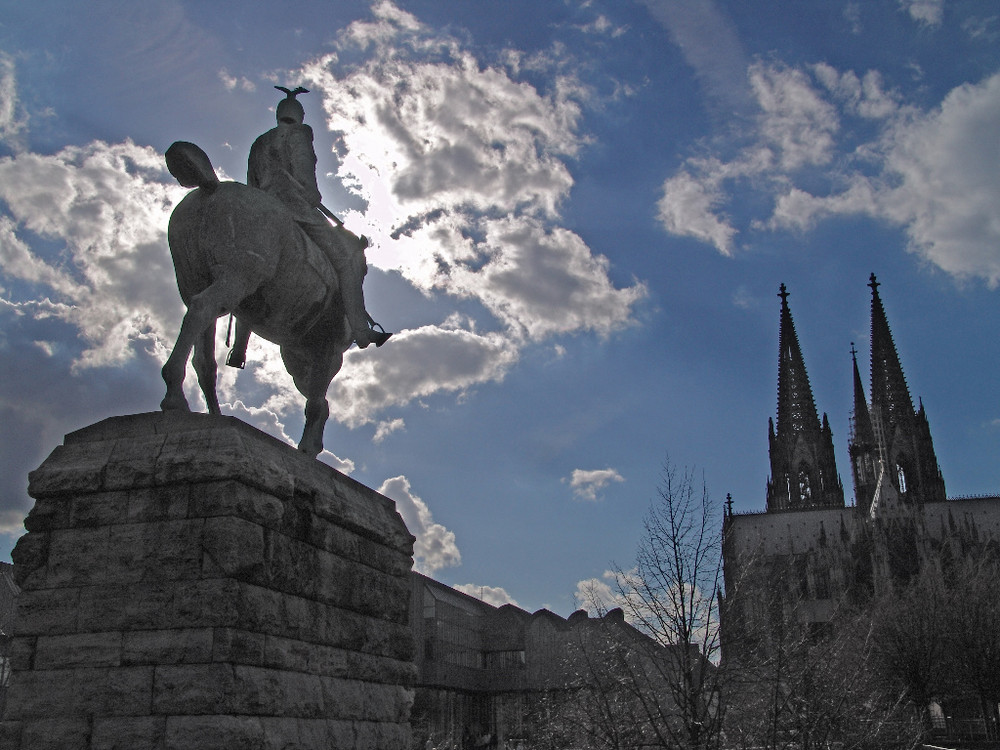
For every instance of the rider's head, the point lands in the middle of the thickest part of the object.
(289, 110)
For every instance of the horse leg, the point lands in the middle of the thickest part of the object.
(313, 370)
(207, 368)
(203, 310)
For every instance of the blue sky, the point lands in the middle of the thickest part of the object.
(582, 212)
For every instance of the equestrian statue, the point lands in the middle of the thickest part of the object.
(267, 254)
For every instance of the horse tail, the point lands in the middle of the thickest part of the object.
(191, 166)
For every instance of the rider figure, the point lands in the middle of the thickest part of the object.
(283, 163)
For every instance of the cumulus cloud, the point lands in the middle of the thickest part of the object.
(932, 173)
(435, 547)
(929, 12)
(386, 428)
(795, 121)
(587, 484)
(463, 168)
(494, 595)
(943, 185)
(420, 362)
(101, 212)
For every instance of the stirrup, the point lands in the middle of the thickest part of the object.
(380, 336)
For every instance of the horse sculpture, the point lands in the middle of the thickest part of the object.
(238, 250)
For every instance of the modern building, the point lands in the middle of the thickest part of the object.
(503, 677)
(808, 547)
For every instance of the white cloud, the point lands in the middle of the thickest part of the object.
(865, 96)
(929, 12)
(13, 120)
(494, 595)
(932, 173)
(689, 206)
(232, 82)
(435, 547)
(944, 184)
(420, 362)
(586, 484)
(598, 595)
(386, 428)
(796, 122)
(105, 208)
(463, 168)
(12, 521)
(711, 45)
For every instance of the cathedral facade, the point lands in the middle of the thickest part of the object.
(809, 553)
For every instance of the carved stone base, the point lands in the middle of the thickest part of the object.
(190, 583)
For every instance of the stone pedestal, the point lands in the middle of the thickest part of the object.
(190, 583)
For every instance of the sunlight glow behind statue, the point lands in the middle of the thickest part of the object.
(268, 254)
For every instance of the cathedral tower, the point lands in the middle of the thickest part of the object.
(803, 468)
(900, 435)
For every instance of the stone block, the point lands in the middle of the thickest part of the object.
(133, 463)
(238, 646)
(122, 606)
(147, 504)
(179, 646)
(99, 509)
(293, 654)
(341, 734)
(214, 602)
(47, 612)
(213, 733)
(221, 454)
(78, 557)
(108, 691)
(382, 735)
(158, 551)
(232, 498)
(233, 547)
(236, 689)
(22, 652)
(48, 515)
(128, 733)
(71, 469)
(294, 734)
(10, 735)
(78, 650)
(31, 556)
(58, 733)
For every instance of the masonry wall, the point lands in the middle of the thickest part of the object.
(189, 583)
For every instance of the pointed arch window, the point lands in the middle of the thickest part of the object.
(805, 489)
(901, 476)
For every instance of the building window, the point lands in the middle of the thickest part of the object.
(504, 659)
(901, 475)
(805, 491)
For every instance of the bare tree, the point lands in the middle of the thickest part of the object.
(670, 673)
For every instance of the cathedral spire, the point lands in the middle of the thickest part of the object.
(902, 434)
(803, 469)
(891, 400)
(796, 408)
